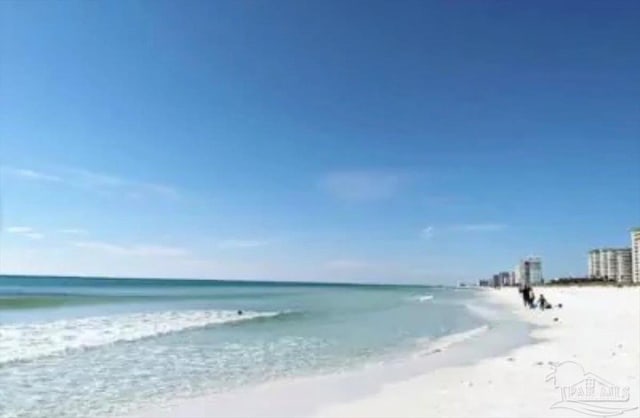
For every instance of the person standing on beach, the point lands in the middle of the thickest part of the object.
(528, 296)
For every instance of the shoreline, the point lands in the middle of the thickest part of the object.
(309, 395)
(598, 328)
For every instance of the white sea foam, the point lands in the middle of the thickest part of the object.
(447, 341)
(20, 342)
(423, 298)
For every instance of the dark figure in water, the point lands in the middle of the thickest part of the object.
(239, 312)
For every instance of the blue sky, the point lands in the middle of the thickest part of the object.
(362, 141)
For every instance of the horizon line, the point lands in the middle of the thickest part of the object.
(191, 279)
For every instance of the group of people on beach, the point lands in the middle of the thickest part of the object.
(529, 299)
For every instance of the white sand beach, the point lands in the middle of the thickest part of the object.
(597, 328)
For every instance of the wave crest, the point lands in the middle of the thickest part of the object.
(23, 342)
(422, 298)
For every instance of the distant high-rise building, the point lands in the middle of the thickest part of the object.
(496, 280)
(604, 263)
(611, 264)
(530, 271)
(505, 278)
(635, 255)
(517, 276)
(625, 265)
(595, 269)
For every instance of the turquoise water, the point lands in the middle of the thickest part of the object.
(79, 347)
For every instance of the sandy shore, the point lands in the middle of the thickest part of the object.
(599, 328)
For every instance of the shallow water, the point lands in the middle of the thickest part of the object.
(73, 347)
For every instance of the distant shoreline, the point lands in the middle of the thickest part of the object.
(590, 284)
(573, 283)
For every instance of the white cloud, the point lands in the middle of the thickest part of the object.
(100, 258)
(31, 174)
(361, 185)
(72, 261)
(427, 232)
(91, 180)
(242, 243)
(133, 188)
(136, 250)
(19, 229)
(26, 232)
(480, 227)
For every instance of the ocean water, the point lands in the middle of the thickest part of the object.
(102, 347)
